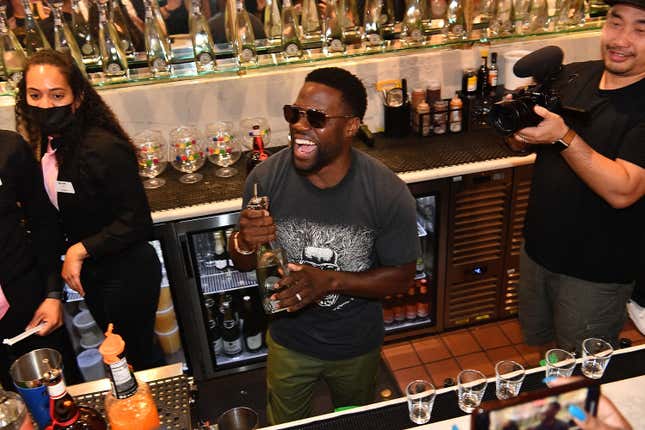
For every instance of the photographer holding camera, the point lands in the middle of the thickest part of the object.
(584, 228)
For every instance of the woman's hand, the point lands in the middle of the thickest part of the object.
(49, 312)
(72, 266)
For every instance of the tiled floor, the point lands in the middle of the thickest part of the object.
(442, 356)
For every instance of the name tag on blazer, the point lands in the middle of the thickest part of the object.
(65, 187)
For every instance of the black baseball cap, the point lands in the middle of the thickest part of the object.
(637, 3)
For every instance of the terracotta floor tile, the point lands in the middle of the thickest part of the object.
(405, 376)
(505, 353)
(478, 361)
(511, 329)
(460, 342)
(400, 355)
(431, 349)
(440, 370)
(489, 336)
(532, 355)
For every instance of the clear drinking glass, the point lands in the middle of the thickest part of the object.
(509, 377)
(187, 153)
(420, 395)
(559, 363)
(152, 152)
(223, 148)
(246, 131)
(596, 354)
(471, 385)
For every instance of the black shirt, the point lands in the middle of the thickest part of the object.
(108, 210)
(22, 196)
(569, 228)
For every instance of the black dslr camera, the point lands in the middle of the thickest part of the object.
(509, 116)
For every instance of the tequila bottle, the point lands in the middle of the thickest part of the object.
(291, 35)
(311, 29)
(34, 38)
(372, 22)
(200, 35)
(113, 60)
(12, 56)
(84, 37)
(412, 30)
(456, 20)
(64, 40)
(273, 23)
(334, 42)
(388, 19)
(157, 48)
(121, 27)
(350, 22)
(244, 42)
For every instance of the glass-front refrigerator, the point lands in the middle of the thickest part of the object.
(86, 336)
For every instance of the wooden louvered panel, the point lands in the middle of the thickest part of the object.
(510, 299)
(518, 215)
(470, 302)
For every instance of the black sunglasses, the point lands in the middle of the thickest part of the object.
(315, 118)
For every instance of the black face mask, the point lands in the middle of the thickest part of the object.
(52, 120)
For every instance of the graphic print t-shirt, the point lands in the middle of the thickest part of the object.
(366, 221)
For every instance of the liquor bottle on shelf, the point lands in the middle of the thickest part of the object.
(482, 74)
(334, 29)
(253, 327)
(113, 59)
(13, 412)
(291, 35)
(158, 50)
(423, 304)
(388, 311)
(456, 19)
(231, 334)
(118, 20)
(388, 19)
(350, 22)
(244, 40)
(411, 304)
(13, 56)
(34, 38)
(200, 35)
(258, 154)
(213, 324)
(373, 26)
(129, 405)
(64, 40)
(273, 23)
(84, 37)
(493, 72)
(311, 29)
(156, 13)
(412, 30)
(64, 412)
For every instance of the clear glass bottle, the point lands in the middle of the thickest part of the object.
(456, 20)
(13, 57)
(121, 26)
(500, 23)
(84, 37)
(156, 12)
(157, 49)
(412, 29)
(334, 42)
(200, 35)
(372, 21)
(351, 22)
(311, 29)
(13, 412)
(34, 38)
(113, 59)
(244, 42)
(64, 40)
(273, 23)
(129, 405)
(291, 35)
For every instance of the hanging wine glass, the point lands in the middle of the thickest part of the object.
(223, 148)
(187, 153)
(152, 153)
(246, 131)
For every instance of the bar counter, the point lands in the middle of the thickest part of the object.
(413, 158)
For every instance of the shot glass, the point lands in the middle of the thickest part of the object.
(471, 385)
(559, 363)
(420, 395)
(595, 357)
(509, 378)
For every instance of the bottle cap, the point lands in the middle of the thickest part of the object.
(112, 346)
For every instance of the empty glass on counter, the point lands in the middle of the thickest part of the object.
(559, 363)
(222, 147)
(420, 395)
(471, 385)
(152, 152)
(187, 153)
(596, 354)
(509, 377)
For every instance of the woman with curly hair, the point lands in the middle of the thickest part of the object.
(91, 176)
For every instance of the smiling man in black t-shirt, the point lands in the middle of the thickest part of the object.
(584, 227)
(347, 224)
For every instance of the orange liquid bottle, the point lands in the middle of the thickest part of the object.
(130, 404)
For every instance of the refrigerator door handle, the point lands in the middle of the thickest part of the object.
(188, 262)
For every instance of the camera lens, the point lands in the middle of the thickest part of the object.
(506, 116)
